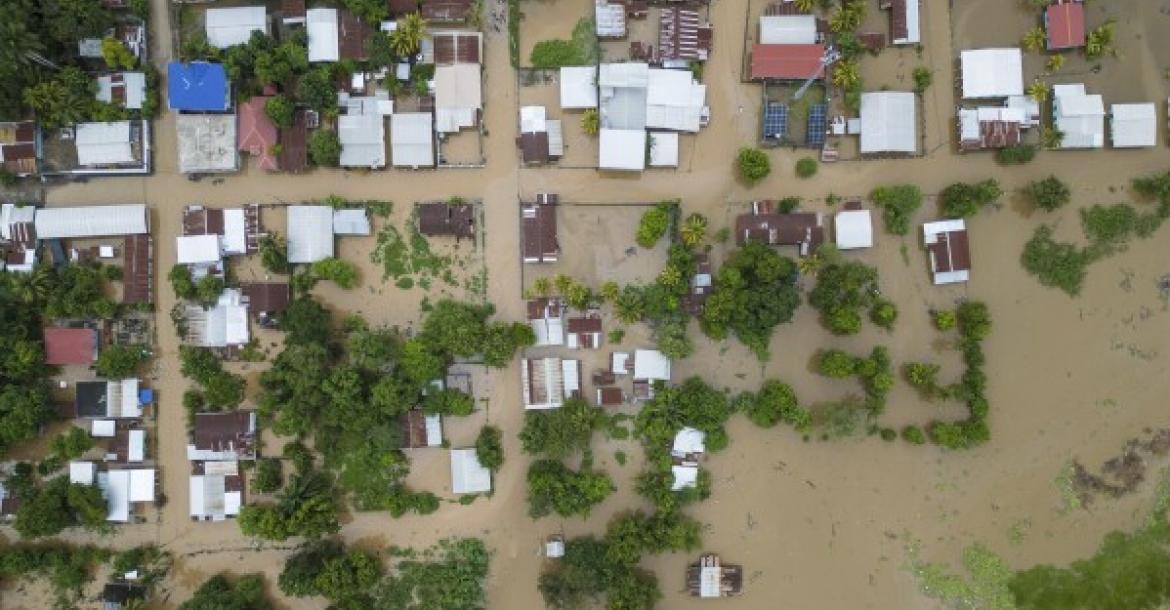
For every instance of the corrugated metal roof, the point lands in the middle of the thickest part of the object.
(91, 221)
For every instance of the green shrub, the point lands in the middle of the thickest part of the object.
(489, 448)
(883, 313)
(836, 363)
(654, 224)
(913, 435)
(267, 476)
(898, 204)
(325, 148)
(1016, 155)
(963, 200)
(889, 435)
(844, 321)
(922, 79)
(806, 167)
(337, 270)
(1056, 264)
(753, 164)
(944, 319)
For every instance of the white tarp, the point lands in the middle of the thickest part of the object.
(623, 149)
(142, 485)
(117, 492)
(468, 476)
(663, 149)
(103, 143)
(651, 365)
(578, 87)
(992, 73)
(788, 29)
(363, 140)
(854, 229)
(321, 25)
(1080, 117)
(91, 221)
(197, 249)
(310, 233)
(136, 446)
(235, 232)
(888, 122)
(82, 473)
(351, 221)
(1134, 125)
(227, 27)
(412, 140)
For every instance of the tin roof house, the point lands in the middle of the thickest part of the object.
(947, 247)
(992, 73)
(539, 227)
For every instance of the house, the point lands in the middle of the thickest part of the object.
(421, 430)
(548, 382)
(115, 595)
(990, 127)
(675, 101)
(138, 269)
(441, 218)
(610, 397)
(584, 332)
(92, 221)
(905, 26)
(1133, 125)
(106, 144)
(310, 233)
(1064, 21)
(123, 488)
(685, 453)
(787, 61)
(790, 29)
(19, 147)
(123, 89)
(889, 122)
(610, 18)
(266, 299)
(546, 316)
(701, 285)
(452, 47)
(351, 221)
(538, 223)
(257, 134)
(992, 73)
(127, 446)
(682, 35)
(448, 11)
(207, 143)
(854, 229)
(709, 578)
(18, 238)
(215, 491)
(468, 476)
(198, 86)
(802, 229)
(200, 252)
(623, 149)
(239, 228)
(946, 244)
(64, 346)
(226, 27)
(321, 24)
(1078, 116)
(108, 399)
(292, 12)
(663, 149)
(540, 138)
(458, 96)
(578, 87)
(412, 140)
(1027, 105)
(294, 149)
(226, 436)
(651, 365)
(363, 138)
(223, 325)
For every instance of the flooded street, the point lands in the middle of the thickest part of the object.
(815, 524)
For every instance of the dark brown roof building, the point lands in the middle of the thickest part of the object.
(683, 35)
(18, 147)
(950, 254)
(266, 297)
(457, 48)
(610, 397)
(533, 147)
(446, 10)
(138, 269)
(539, 225)
(584, 332)
(353, 36)
(294, 150)
(198, 220)
(802, 229)
(223, 436)
(401, 7)
(420, 430)
(442, 218)
(292, 9)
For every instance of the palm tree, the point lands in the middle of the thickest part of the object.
(1034, 40)
(694, 229)
(590, 122)
(564, 283)
(1055, 63)
(670, 277)
(407, 38)
(610, 291)
(846, 73)
(1050, 137)
(542, 286)
(1038, 90)
(811, 264)
(806, 6)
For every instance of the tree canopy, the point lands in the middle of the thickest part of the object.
(555, 488)
(755, 290)
(219, 593)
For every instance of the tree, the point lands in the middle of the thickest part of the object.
(380, 50)
(208, 289)
(68, 21)
(1049, 194)
(560, 433)
(306, 507)
(847, 73)
(654, 224)
(591, 122)
(753, 165)
(898, 204)
(1034, 40)
(1056, 264)
(1018, 154)
(449, 402)
(883, 313)
(694, 229)
(775, 403)
(836, 363)
(923, 77)
(489, 447)
(58, 505)
(842, 289)
(273, 255)
(580, 576)
(63, 100)
(337, 270)
(317, 90)
(1038, 91)
(636, 589)
(20, 32)
(23, 409)
(806, 167)
(116, 55)
(1099, 40)
(306, 321)
(121, 361)
(223, 389)
(325, 148)
(218, 593)
(267, 476)
(553, 487)
(348, 577)
(279, 110)
(963, 200)
(405, 40)
(755, 290)
(370, 11)
(1054, 63)
(72, 444)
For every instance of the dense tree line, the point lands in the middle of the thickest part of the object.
(220, 593)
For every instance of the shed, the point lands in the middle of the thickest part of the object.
(207, 143)
(683, 35)
(610, 397)
(91, 221)
(468, 476)
(788, 29)
(103, 428)
(663, 149)
(854, 229)
(310, 233)
(104, 143)
(70, 346)
(578, 87)
(226, 27)
(142, 485)
(412, 142)
(294, 150)
(198, 249)
(651, 365)
(623, 149)
(610, 18)
(223, 325)
(82, 473)
(19, 147)
(990, 127)
(688, 443)
(353, 36)
(888, 122)
(257, 134)
(992, 73)
(322, 27)
(136, 446)
(351, 221)
(950, 256)
(539, 227)
(215, 497)
(1133, 125)
(787, 61)
(115, 485)
(547, 382)
(457, 47)
(116, 594)
(137, 269)
(1065, 23)
(1079, 116)
(198, 86)
(363, 140)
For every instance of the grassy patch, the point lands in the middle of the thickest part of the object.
(408, 261)
(580, 50)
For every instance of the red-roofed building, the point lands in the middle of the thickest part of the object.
(70, 346)
(256, 134)
(1066, 25)
(787, 61)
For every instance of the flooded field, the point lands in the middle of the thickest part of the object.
(815, 524)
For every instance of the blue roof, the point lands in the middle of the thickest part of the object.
(198, 86)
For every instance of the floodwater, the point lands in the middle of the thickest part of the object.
(815, 524)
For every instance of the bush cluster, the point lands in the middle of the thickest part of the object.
(974, 322)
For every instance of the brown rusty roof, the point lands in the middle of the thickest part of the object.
(292, 8)
(225, 432)
(540, 233)
(779, 229)
(457, 48)
(442, 218)
(266, 297)
(198, 220)
(353, 35)
(994, 134)
(951, 252)
(401, 7)
(137, 271)
(414, 429)
(539, 309)
(584, 325)
(533, 147)
(294, 150)
(446, 10)
(608, 397)
(70, 345)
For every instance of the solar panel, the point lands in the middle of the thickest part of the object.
(816, 125)
(775, 120)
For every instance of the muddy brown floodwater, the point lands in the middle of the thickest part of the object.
(816, 525)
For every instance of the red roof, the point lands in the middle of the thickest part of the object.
(1066, 25)
(256, 133)
(787, 61)
(70, 345)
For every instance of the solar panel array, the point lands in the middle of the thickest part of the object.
(775, 120)
(817, 125)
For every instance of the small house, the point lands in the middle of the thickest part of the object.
(351, 222)
(92, 221)
(685, 452)
(64, 346)
(458, 96)
(215, 491)
(539, 227)
(123, 89)
(584, 332)
(1064, 21)
(610, 18)
(207, 143)
(82, 473)
(112, 399)
(108, 145)
(321, 25)
(990, 127)
(257, 135)
(421, 429)
(947, 247)
(651, 365)
(362, 133)
(541, 138)
(225, 324)
(441, 218)
(229, 436)
(663, 149)
(854, 229)
(116, 595)
(227, 27)
(992, 73)
(610, 397)
(310, 233)
(683, 35)
(123, 488)
(294, 149)
(675, 101)
(19, 147)
(468, 476)
(1133, 125)
(198, 86)
(412, 140)
(547, 382)
(805, 230)
(546, 317)
(889, 122)
(238, 228)
(1078, 116)
(709, 578)
(623, 150)
(266, 300)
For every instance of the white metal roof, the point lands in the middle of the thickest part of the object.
(1079, 116)
(122, 398)
(221, 467)
(209, 498)
(629, 74)
(888, 122)
(623, 149)
(310, 233)
(674, 100)
(321, 25)
(651, 364)
(533, 119)
(363, 140)
(142, 485)
(82, 473)
(570, 377)
(1134, 125)
(412, 140)
(117, 491)
(710, 582)
(663, 149)
(136, 446)
(91, 221)
(992, 73)
(618, 362)
(788, 29)
(197, 249)
(103, 143)
(434, 425)
(684, 476)
(610, 19)
(468, 476)
(556, 138)
(544, 387)
(11, 214)
(578, 87)
(351, 221)
(854, 229)
(689, 440)
(103, 428)
(931, 230)
(458, 86)
(235, 232)
(548, 331)
(226, 27)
